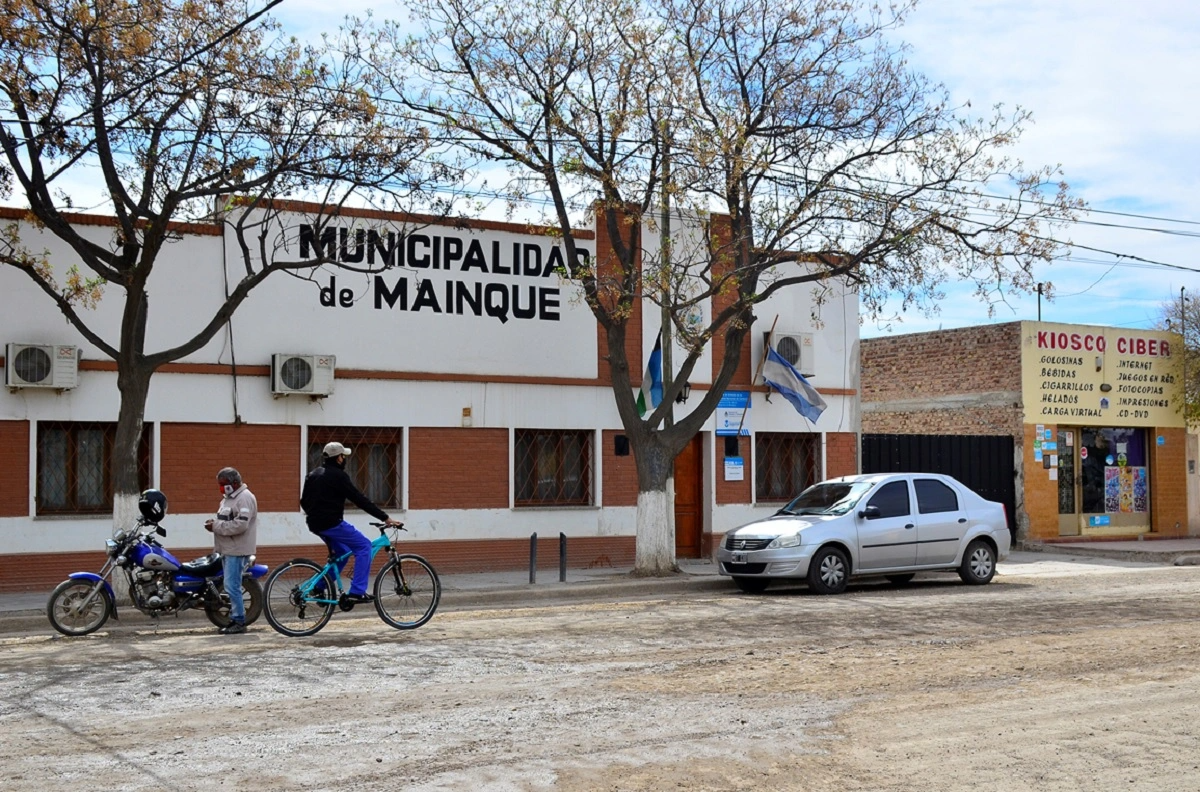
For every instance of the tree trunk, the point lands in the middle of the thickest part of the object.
(133, 381)
(655, 553)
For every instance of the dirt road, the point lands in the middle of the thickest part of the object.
(1055, 677)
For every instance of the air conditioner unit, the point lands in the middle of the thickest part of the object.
(41, 366)
(797, 349)
(310, 375)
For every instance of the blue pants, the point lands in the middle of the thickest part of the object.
(233, 567)
(345, 538)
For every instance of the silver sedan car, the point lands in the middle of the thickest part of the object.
(889, 524)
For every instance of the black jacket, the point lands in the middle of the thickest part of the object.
(324, 497)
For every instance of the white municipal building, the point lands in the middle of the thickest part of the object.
(468, 378)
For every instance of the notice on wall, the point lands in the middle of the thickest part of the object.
(735, 469)
(733, 414)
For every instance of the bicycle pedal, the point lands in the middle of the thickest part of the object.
(345, 604)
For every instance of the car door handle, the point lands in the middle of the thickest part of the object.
(962, 519)
(910, 525)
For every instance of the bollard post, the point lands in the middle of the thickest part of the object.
(562, 558)
(533, 558)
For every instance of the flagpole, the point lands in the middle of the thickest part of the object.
(757, 374)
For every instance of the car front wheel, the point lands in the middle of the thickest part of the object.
(828, 571)
(978, 564)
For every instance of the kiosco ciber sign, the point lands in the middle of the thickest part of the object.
(1077, 374)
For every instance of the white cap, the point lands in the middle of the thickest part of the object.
(335, 449)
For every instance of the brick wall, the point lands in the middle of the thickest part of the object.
(963, 421)
(1041, 494)
(962, 361)
(268, 457)
(458, 468)
(733, 491)
(14, 484)
(1168, 482)
(722, 262)
(841, 454)
(620, 474)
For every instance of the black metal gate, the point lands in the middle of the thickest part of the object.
(983, 463)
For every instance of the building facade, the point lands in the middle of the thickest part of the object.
(1095, 413)
(469, 378)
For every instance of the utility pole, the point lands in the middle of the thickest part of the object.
(665, 268)
(1039, 302)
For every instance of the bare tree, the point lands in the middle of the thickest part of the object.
(1183, 316)
(798, 121)
(175, 106)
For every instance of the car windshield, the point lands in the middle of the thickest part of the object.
(832, 497)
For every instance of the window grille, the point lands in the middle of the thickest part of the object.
(374, 463)
(74, 466)
(553, 468)
(786, 464)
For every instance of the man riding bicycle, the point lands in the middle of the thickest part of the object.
(323, 499)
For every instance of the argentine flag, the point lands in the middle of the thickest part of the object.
(650, 395)
(781, 376)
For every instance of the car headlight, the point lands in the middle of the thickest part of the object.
(792, 540)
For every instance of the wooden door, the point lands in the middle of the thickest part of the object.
(689, 500)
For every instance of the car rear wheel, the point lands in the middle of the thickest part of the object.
(978, 564)
(751, 585)
(828, 571)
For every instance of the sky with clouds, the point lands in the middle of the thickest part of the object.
(1115, 92)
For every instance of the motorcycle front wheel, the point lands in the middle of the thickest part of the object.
(252, 599)
(70, 610)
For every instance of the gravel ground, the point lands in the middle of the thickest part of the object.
(1055, 677)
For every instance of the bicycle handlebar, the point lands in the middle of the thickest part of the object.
(384, 526)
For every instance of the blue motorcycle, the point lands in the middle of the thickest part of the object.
(158, 584)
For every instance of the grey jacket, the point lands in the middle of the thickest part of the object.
(235, 528)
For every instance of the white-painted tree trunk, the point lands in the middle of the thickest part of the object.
(125, 516)
(655, 553)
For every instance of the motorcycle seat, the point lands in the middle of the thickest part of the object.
(205, 566)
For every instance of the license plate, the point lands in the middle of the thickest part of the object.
(739, 558)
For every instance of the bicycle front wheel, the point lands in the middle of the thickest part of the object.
(299, 598)
(407, 592)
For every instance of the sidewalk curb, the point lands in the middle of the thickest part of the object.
(1148, 556)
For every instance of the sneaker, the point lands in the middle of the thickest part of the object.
(233, 628)
(359, 599)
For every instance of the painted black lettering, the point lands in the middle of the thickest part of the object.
(391, 296)
(326, 248)
(426, 297)
(355, 256)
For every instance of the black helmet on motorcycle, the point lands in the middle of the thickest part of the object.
(153, 505)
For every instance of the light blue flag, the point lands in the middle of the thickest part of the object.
(651, 393)
(783, 377)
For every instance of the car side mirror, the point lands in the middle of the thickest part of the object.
(160, 531)
(869, 512)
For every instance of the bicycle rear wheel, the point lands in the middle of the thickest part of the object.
(293, 594)
(407, 592)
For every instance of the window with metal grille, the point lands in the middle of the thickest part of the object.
(374, 461)
(785, 464)
(74, 466)
(553, 468)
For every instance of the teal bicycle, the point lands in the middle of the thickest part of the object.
(300, 595)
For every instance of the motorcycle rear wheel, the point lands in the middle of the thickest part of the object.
(252, 599)
(67, 596)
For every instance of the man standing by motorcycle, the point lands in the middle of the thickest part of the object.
(235, 535)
